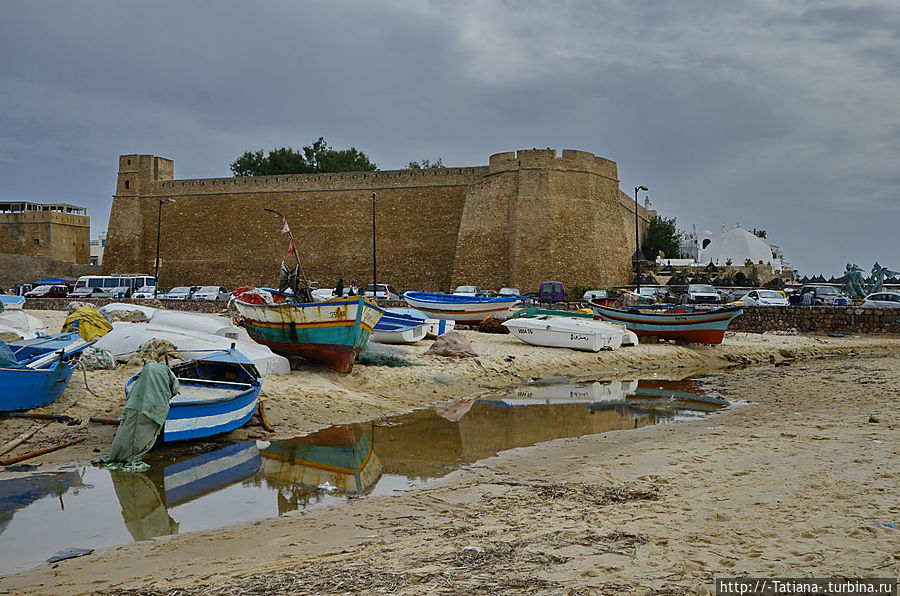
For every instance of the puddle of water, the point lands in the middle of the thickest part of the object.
(204, 486)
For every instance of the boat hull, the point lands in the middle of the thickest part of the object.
(187, 421)
(331, 333)
(27, 388)
(563, 332)
(459, 308)
(698, 327)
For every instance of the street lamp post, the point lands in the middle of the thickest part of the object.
(374, 259)
(158, 228)
(637, 239)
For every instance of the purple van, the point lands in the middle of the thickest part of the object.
(551, 291)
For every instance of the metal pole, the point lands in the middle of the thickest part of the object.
(156, 272)
(374, 259)
(637, 240)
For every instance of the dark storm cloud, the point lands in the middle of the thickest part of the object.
(776, 115)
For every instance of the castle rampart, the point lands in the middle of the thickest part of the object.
(527, 216)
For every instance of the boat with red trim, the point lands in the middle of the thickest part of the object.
(331, 333)
(676, 322)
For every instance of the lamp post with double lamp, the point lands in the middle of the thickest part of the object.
(637, 239)
(158, 228)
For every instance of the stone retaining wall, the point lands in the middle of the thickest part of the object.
(818, 319)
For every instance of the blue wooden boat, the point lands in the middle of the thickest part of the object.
(397, 328)
(218, 393)
(32, 382)
(11, 301)
(331, 333)
(70, 342)
(458, 307)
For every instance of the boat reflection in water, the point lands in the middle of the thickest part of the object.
(337, 461)
(146, 498)
(19, 493)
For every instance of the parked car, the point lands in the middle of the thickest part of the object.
(211, 293)
(509, 292)
(87, 292)
(551, 291)
(700, 294)
(821, 295)
(466, 291)
(181, 293)
(48, 292)
(595, 294)
(879, 300)
(764, 298)
(385, 292)
(654, 294)
(148, 292)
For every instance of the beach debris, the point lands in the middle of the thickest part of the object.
(130, 316)
(23, 457)
(94, 358)
(452, 344)
(261, 410)
(153, 350)
(326, 487)
(873, 420)
(886, 525)
(69, 553)
(6, 448)
(376, 354)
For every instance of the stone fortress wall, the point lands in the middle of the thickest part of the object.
(48, 234)
(527, 216)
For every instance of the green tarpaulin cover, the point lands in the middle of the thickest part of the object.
(142, 419)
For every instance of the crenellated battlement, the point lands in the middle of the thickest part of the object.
(550, 159)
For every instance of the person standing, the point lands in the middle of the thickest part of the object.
(353, 289)
(339, 290)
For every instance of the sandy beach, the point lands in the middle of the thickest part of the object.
(798, 480)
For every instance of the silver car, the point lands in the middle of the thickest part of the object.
(211, 293)
(882, 300)
(764, 298)
(181, 293)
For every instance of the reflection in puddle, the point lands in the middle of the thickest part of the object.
(185, 491)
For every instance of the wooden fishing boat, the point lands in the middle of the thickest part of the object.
(396, 328)
(217, 393)
(434, 328)
(457, 307)
(27, 386)
(679, 323)
(331, 333)
(629, 338)
(566, 332)
(34, 373)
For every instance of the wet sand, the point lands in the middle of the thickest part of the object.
(793, 483)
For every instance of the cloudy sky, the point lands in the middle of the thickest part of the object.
(771, 114)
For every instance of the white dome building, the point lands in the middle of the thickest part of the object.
(738, 245)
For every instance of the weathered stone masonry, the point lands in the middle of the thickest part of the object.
(526, 217)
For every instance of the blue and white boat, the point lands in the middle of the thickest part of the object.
(457, 307)
(218, 393)
(11, 302)
(32, 382)
(69, 341)
(434, 328)
(397, 328)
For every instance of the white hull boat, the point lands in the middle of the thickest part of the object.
(566, 332)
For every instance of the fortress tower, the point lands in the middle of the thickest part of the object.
(526, 217)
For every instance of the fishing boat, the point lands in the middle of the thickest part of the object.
(434, 328)
(32, 382)
(331, 333)
(566, 332)
(396, 328)
(218, 393)
(629, 338)
(457, 307)
(69, 342)
(678, 323)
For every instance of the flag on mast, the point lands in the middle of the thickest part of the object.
(285, 229)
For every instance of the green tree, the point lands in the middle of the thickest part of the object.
(315, 158)
(426, 165)
(661, 237)
(759, 233)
